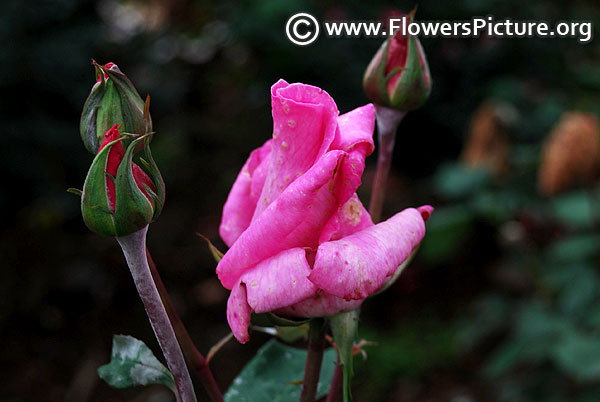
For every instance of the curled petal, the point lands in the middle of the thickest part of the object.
(242, 200)
(238, 313)
(293, 220)
(357, 265)
(355, 136)
(356, 130)
(279, 281)
(304, 125)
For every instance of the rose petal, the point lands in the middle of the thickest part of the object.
(278, 281)
(350, 218)
(238, 313)
(142, 180)
(396, 57)
(356, 130)
(304, 125)
(320, 305)
(357, 265)
(355, 136)
(295, 219)
(242, 200)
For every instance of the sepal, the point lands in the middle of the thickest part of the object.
(133, 208)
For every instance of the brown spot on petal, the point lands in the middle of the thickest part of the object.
(352, 211)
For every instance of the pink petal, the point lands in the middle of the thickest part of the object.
(319, 305)
(238, 313)
(304, 125)
(278, 281)
(355, 136)
(357, 265)
(350, 218)
(294, 219)
(242, 200)
(356, 130)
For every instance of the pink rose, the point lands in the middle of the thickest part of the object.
(301, 242)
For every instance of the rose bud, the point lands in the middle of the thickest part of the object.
(301, 242)
(118, 197)
(113, 100)
(398, 76)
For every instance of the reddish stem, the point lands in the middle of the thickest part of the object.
(133, 246)
(314, 359)
(192, 354)
(387, 123)
(335, 388)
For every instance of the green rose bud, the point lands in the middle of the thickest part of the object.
(113, 100)
(398, 76)
(118, 197)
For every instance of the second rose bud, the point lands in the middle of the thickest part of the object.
(398, 76)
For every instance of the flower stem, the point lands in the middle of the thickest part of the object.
(387, 122)
(134, 246)
(335, 388)
(314, 358)
(196, 360)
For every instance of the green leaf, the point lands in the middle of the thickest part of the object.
(132, 363)
(273, 375)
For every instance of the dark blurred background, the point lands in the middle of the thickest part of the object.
(502, 302)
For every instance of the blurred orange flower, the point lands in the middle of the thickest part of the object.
(487, 140)
(571, 153)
